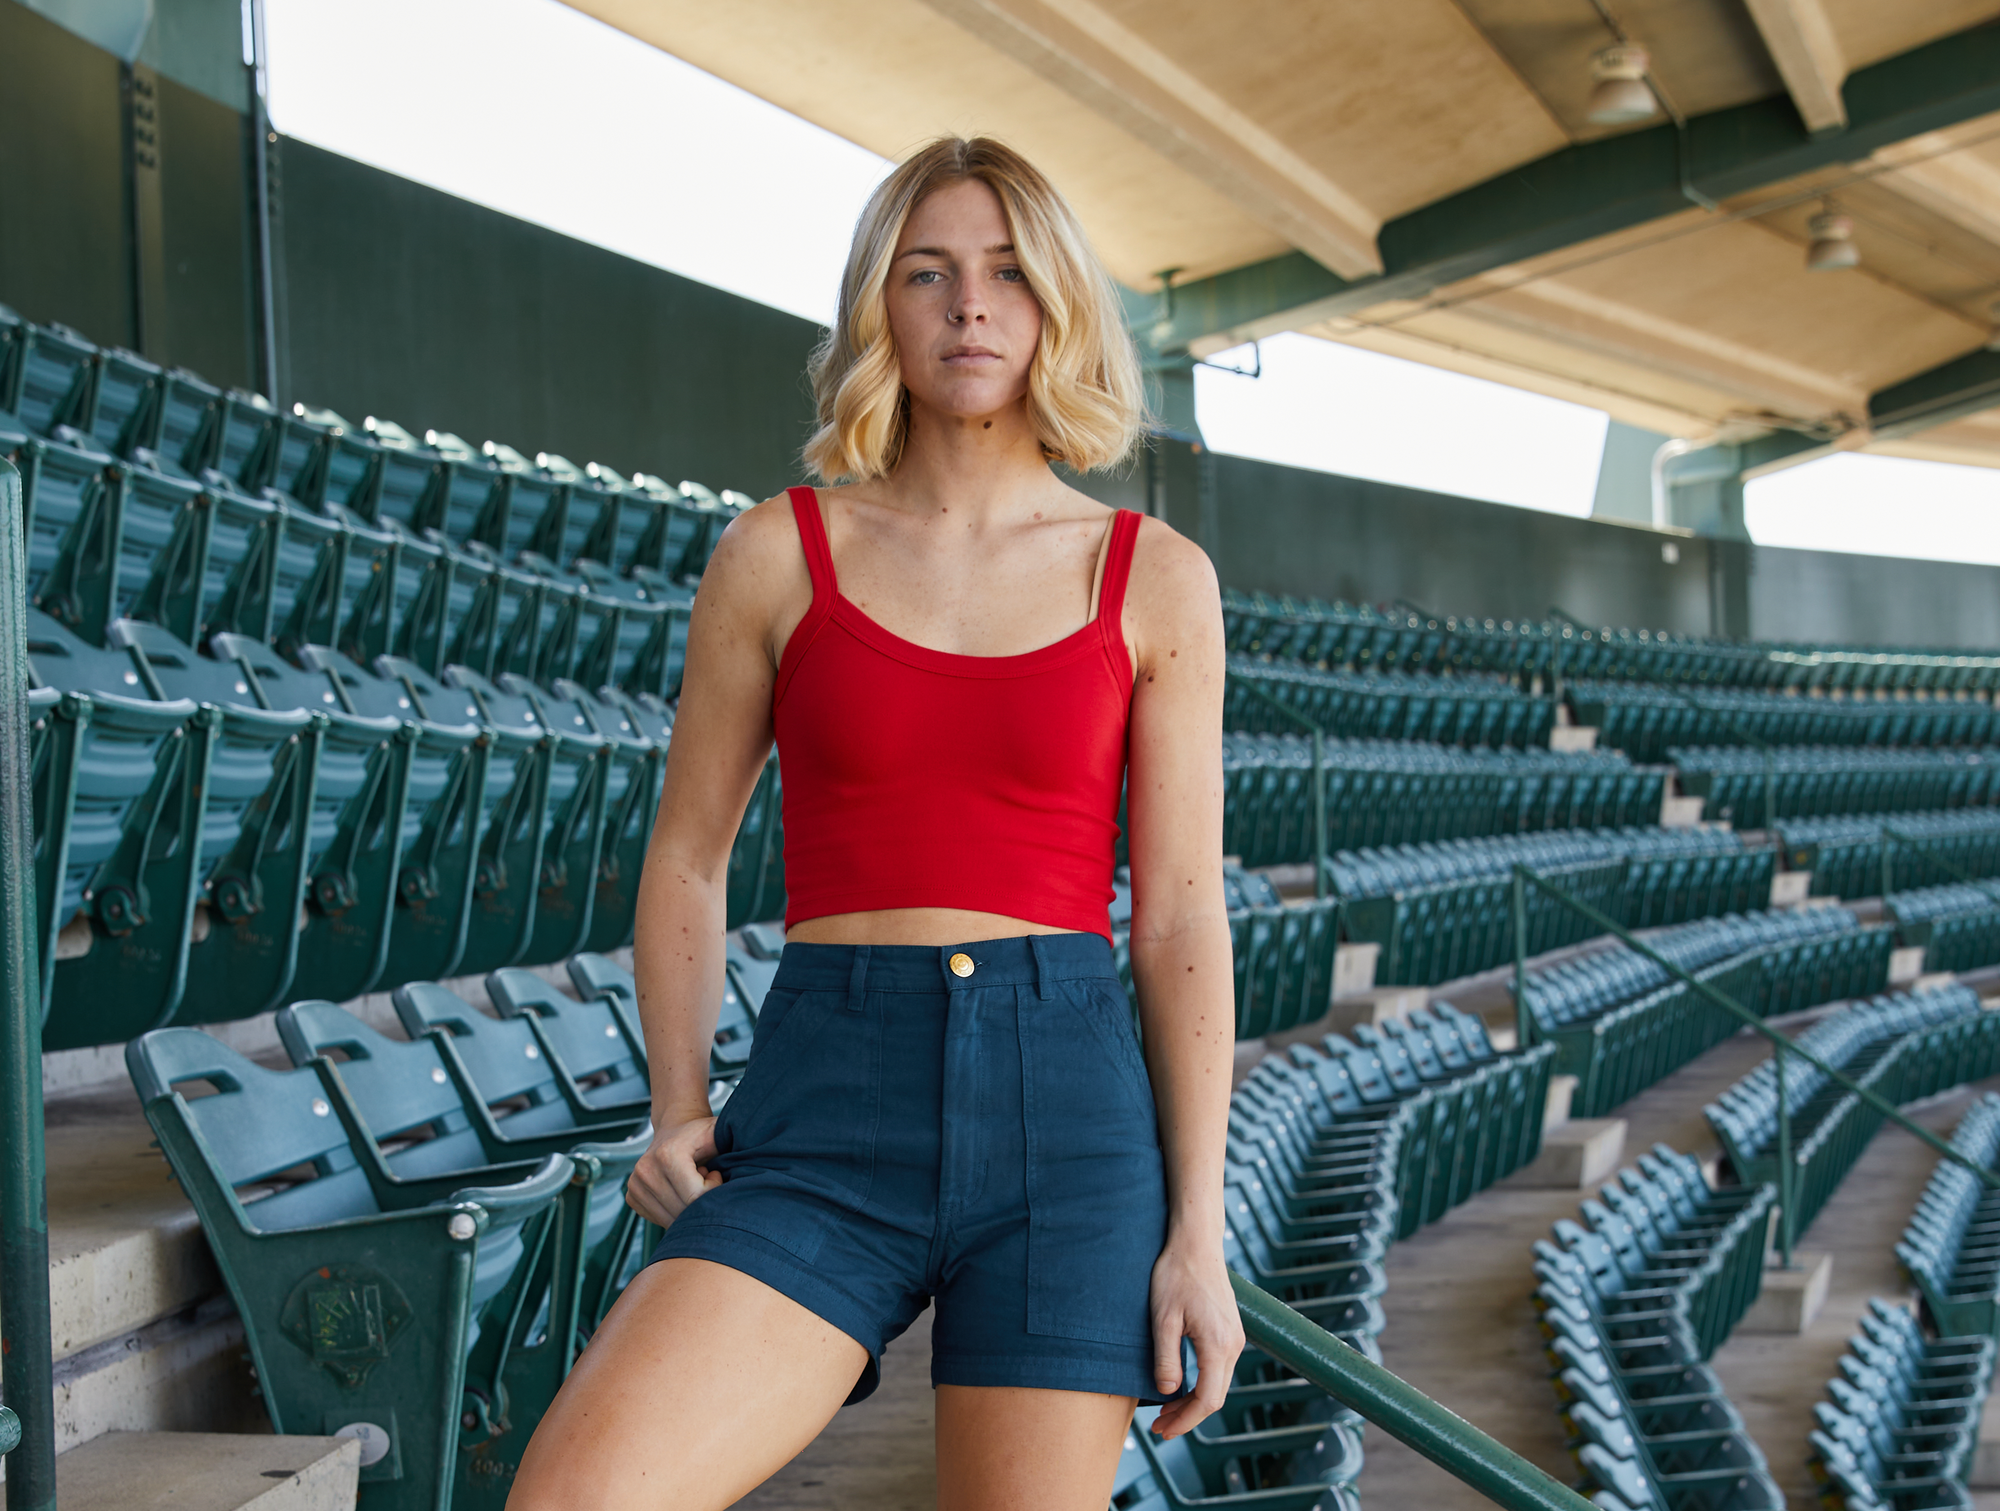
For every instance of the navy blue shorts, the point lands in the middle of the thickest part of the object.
(904, 1133)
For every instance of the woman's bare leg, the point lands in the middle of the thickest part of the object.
(700, 1385)
(1004, 1448)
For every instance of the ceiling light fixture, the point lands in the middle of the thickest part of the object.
(1832, 242)
(1622, 96)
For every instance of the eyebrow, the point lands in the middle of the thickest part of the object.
(992, 251)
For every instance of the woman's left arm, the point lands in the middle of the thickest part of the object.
(1180, 948)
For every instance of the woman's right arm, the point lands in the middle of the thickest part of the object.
(754, 590)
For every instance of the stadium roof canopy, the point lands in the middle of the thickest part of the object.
(1418, 177)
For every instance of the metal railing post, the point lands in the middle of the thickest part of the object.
(1787, 1177)
(1319, 813)
(1399, 1408)
(25, 1350)
(1524, 1021)
(1743, 1014)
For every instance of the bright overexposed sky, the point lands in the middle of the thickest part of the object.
(536, 110)
(1341, 409)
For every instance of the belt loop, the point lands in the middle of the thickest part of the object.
(1041, 967)
(857, 979)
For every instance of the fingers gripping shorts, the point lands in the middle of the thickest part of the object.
(904, 1133)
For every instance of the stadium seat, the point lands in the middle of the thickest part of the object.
(402, 1308)
(587, 1040)
(428, 1118)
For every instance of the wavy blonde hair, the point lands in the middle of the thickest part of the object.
(1086, 398)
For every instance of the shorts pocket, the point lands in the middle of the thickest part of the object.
(1096, 1184)
(796, 1141)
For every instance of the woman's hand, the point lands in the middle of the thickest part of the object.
(674, 1171)
(1192, 1298)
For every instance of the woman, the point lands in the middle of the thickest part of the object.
(956, 654)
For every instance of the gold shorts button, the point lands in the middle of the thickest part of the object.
(961, 964)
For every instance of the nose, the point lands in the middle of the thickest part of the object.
(968, 308)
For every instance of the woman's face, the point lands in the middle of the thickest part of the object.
(964, 321)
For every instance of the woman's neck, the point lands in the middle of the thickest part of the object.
(978, 467)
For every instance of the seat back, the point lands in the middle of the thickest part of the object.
(258, 1124)
(501, 1055)
(401, 1087)
(586, 1036)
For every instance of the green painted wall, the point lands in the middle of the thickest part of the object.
(404, 302)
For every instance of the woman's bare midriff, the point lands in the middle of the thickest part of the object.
(925, 926)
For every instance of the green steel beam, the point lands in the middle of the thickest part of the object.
(1965, 385)
(1590, 190)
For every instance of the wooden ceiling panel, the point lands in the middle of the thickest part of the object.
(1401, 105)
(1706, 54)
(891, 74)
(1870, 30)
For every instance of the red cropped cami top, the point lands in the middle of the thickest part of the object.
(916, 778)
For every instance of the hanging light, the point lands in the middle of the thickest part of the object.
(1832, 242)
(1622, 96)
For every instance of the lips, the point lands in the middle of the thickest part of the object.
(970, 356)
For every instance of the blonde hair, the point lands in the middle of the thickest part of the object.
(1086, 398)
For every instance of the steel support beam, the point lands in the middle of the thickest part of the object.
(1586, 191)
(1965, 385)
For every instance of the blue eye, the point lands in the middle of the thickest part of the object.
(1013, 275)
(925, 275)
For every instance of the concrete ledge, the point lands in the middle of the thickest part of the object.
(1375, 1005)
(1790, 1298)
(1576, 1155)
(1555, 1112)
(210, 1471)
(1985, 1472)
(1573, 739)
(1680, 812)
(1354, 968)
(1906, 965)
(1789, 889)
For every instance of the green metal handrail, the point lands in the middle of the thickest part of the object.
(1525, 877)
(1951, 867)
(1397, 1407)
(1319, 775)
(25, 1346)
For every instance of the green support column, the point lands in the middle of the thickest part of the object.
(25, 1349)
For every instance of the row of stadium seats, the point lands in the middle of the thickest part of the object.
(1948, 1248)
(1389, 792)
(1902, 1424)
(1473, 710)
(1810, 780)
(1957, 924)
(212, 828)
(1366, 638)
(1621, 1023)
(153, 495)
(1902, 1046)
(1658, 1238)
(1846, 855)
(420, 1235)
(1446, 910)
(1645, 722)
(1649, 1423)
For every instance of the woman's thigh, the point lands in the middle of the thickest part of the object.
(700, 1385)
(1009, 1448)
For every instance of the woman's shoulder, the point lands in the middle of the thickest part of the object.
(1164, 561)
(759, 550)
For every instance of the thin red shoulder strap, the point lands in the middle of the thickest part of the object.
(812, 536)
(1117, 567)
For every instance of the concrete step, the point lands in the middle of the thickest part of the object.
(1578, 1154)
(209, 1471)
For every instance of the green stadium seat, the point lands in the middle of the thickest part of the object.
(588, 1041)
(371, 1303)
